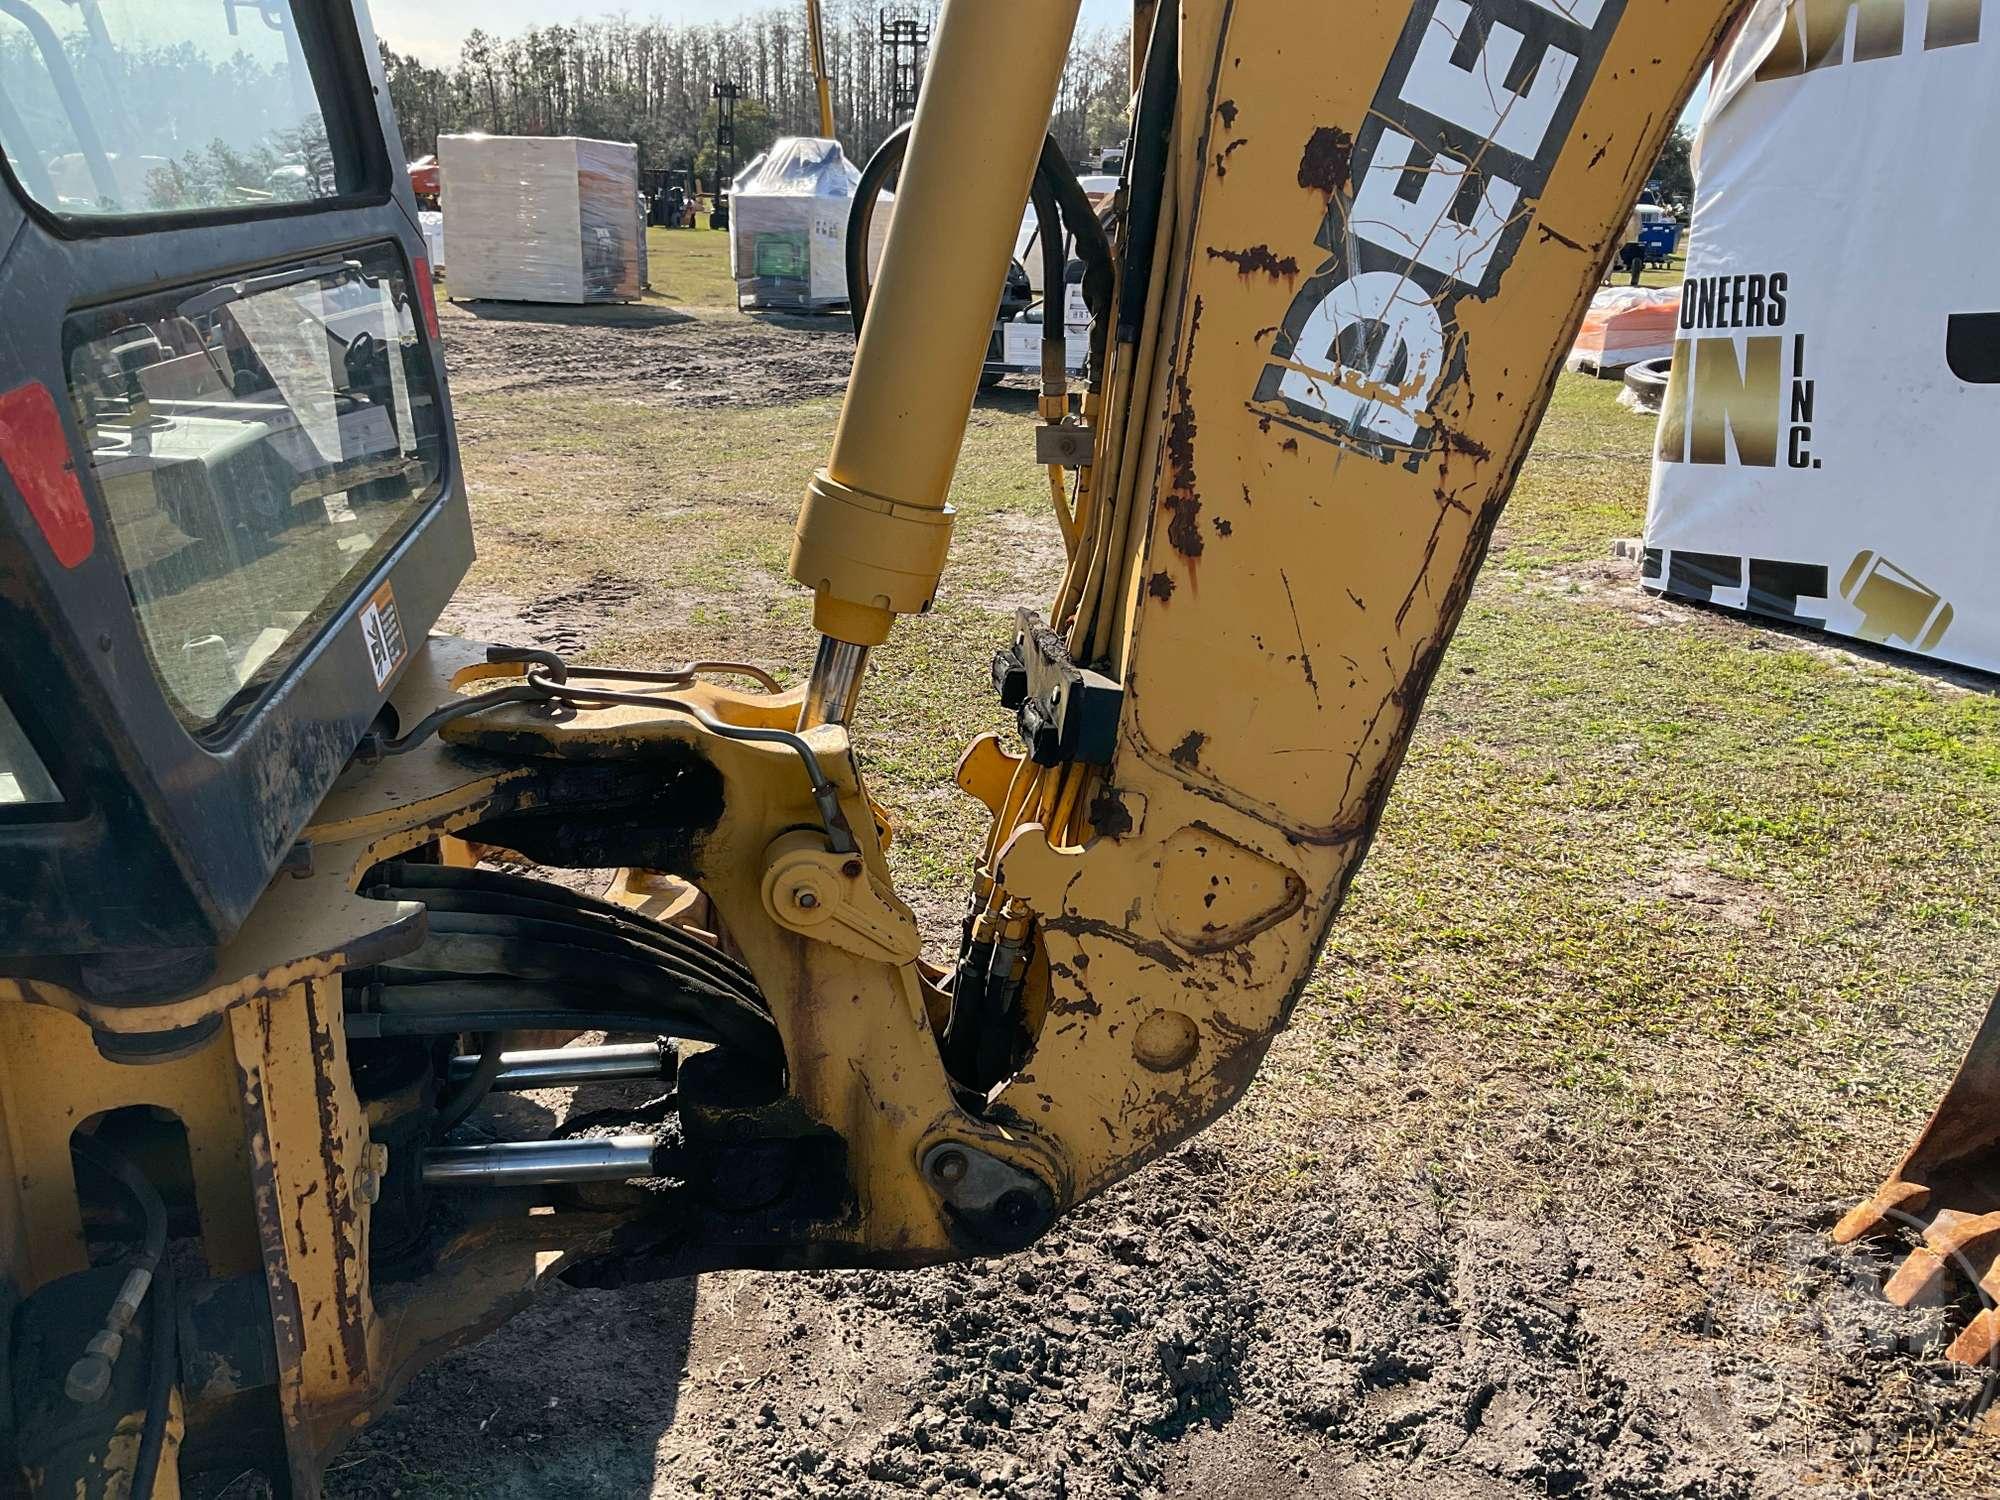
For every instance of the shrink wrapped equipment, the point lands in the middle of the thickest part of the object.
(543, 218)
(788, 225)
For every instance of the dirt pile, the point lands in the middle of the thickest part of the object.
(1163, 1343)
(1159, 1345)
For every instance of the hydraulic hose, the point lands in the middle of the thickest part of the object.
(1052, 174)
(466, 1097)
(1152, 138)
(1055, 276)
(490, 893)
(161, 1359)
(147, 1273)
(861, 216)
(1093, 247)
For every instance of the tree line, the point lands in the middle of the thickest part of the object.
(651, 82)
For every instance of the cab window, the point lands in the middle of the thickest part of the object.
(24, 781)
(137, 107)
(258, 444)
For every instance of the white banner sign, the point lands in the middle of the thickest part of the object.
(1822, 452)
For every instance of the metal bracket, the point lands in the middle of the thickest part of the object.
(1066, 712)
(1002, 1205)
(1067, 445)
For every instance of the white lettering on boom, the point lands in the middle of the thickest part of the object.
(1397, 383)
(1462, 133)
(1423, 229)
(1476, 97)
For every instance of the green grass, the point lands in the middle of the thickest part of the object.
(1636, 848)
(690, 267)
(684, 268)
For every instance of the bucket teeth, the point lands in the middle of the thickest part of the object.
(1896, 1201)
(1948, 1186)
(1953, 1241)
(1979, 1342)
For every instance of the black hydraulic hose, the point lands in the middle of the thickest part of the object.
(1093, 246)
(1055, 277)
(162, 1332)
(861, 216)
(467, 1096)
(531, 948)
(459, 708)
(491, 893)
(1146, 169)
(487, 974)
(1052, 174)
(119, 1167)
(435, 998)
(681, 961)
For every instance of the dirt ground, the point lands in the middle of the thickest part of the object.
(1409, 1264)
(692, 359)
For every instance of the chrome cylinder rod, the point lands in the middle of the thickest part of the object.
(835, 683)
(553, 1067)
(507, 1164)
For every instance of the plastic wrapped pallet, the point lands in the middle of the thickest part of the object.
(542, 218)
(1626, 325)
(788, 225)
(431, 221)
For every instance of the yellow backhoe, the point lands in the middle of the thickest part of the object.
(253, 976)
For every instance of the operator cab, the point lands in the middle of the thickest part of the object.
(230, 508)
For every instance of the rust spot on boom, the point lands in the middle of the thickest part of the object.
(1258, 259)
(1183, 499)
(1328, 161)
(1161, 587)
(1187, 754)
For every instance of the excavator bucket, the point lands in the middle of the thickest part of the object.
(1947, 1190)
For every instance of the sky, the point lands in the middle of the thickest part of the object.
(432, 29)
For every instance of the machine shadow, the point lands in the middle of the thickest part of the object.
(571, 1396)
(1010, 398)
(588, 315)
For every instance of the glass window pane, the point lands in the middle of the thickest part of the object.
(23, 779)
(258, 444)
(160, 106)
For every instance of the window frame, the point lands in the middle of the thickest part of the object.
(338, 67)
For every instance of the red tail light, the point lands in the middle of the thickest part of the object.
(426, 294)
(38, 459)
